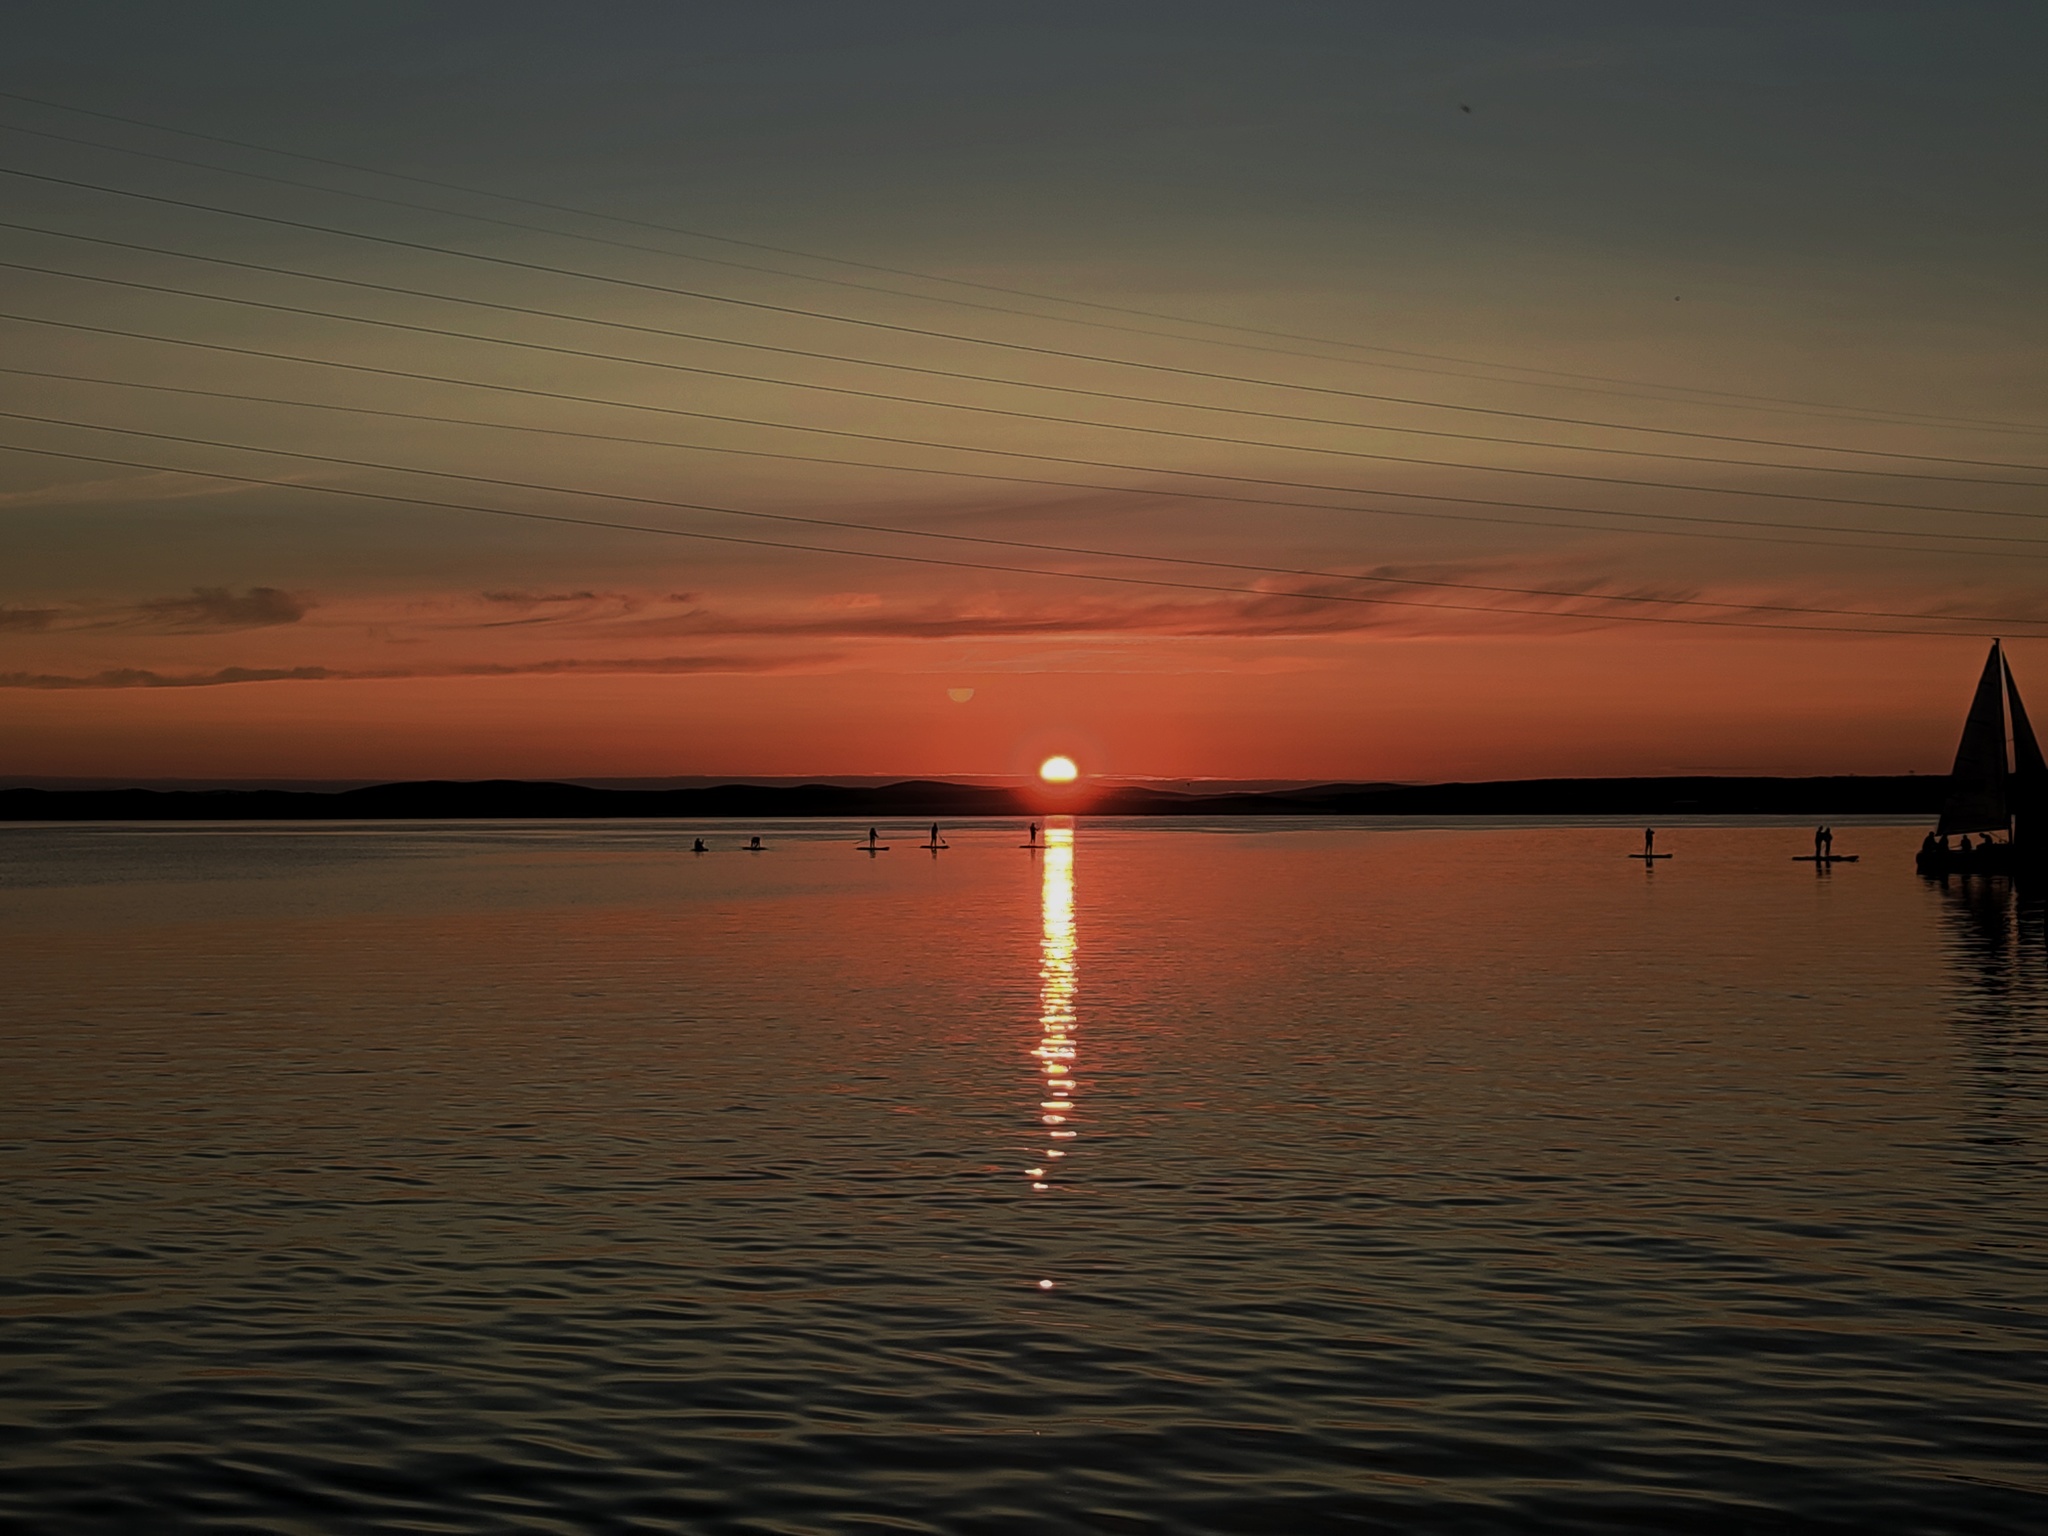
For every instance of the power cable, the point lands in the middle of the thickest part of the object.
(963, 538)
(987, 410)
(1012, 453)
(797, 311)
(641, 328)
(1727, 399)
(929, 560)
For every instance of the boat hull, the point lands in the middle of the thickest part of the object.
(1998, 859)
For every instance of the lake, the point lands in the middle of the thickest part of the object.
(1260, 1176)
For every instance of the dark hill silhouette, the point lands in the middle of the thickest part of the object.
(1841, 795)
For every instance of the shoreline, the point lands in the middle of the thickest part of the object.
(513, 799)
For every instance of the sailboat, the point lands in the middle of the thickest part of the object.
(1999, 786)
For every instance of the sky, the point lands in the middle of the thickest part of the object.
(1351, 391)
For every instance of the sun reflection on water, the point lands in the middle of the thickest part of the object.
(1056, 996)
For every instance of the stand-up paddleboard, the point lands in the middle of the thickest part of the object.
(872, 847)
(934, 847)
(1649, 855)
(1825, 858)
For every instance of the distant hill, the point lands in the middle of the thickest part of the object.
(922, 799)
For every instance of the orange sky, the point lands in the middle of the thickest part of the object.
(1378, 709)
(1210, 404)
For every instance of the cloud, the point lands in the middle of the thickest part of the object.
(26, 618)
(219, 608)
(535, 608)
(126, 490)
(537, 599)
(1325, 607)
(137, 677)
(1255, 614)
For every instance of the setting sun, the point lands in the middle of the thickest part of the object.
(1058, 770)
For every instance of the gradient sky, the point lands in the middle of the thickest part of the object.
(1782, 271)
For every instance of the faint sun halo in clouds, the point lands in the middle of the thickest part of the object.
(1058, 770)
(959, 695)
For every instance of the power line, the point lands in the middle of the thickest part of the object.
(922, 533)
(1659, 518)
(929, 560)
(893, 327)
(1727, 399)
(641, 328)
(989, 410)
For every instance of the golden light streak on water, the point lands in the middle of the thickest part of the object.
(1057, 985)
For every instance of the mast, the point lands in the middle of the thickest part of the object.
(1977, 784)
(2029, 790)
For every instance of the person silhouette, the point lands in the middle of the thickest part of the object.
(872, 837)
(1034, 834)
(1649, 842)
(1820, 837)
(935, 834)
(755, 845)
(698, 846)
(1827, 842)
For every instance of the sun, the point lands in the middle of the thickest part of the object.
(1058, 770)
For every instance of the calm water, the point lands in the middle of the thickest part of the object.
(1241, 1178)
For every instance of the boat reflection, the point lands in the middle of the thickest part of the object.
(1997, 944)
(1057, 993)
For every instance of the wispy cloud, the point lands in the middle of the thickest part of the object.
(204, 610)
(537, 599)
(1277, 613)
(210, 608)
(138, 677)
(1371, 601)
(127, 490)
(539, 608)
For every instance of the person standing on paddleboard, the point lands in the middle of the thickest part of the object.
(1649, 842)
